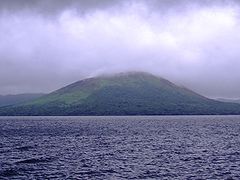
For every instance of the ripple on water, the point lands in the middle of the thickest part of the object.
(8, 173)
(35, 160)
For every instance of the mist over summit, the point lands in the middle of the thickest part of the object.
(51, 43)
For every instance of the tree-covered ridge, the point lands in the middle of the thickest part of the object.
(6, 100)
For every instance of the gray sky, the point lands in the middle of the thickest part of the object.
(47, 44)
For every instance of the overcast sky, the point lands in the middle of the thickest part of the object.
(47, 44)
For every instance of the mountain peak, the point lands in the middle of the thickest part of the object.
(125, 74)
(128, 93)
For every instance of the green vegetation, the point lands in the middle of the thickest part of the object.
(122, 94)
(17, 99)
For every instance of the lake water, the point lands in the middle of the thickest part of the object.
(173, 147)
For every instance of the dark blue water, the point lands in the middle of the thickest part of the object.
(193, 147)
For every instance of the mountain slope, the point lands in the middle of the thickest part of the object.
(122, 94)
(7, 100)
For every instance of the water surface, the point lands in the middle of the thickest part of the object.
(157, 147)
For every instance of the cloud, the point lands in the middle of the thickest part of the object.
(192, 44)
(50, 7)
(55, 7)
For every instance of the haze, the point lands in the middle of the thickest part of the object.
(47, 44)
